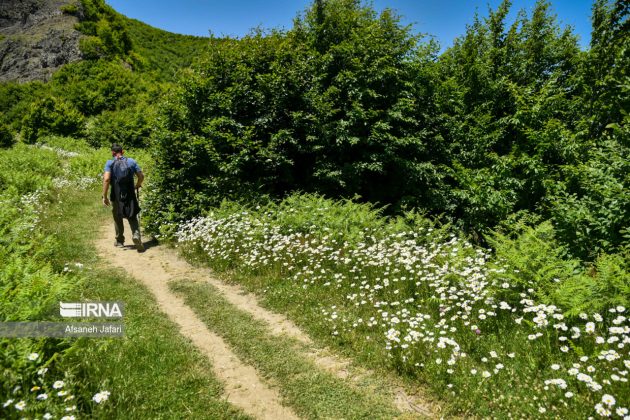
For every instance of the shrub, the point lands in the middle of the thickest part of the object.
(51, 115)
(131, 126)
(6, 136)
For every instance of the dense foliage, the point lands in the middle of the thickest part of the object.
(164, 54)
(512, 122)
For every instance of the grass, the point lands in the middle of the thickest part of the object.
(312, 392)
(479, 331)
(153, 372)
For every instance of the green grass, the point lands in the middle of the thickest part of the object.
(428, 306)
(312, 392)
(153, 372)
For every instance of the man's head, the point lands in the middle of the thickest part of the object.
(117, 149)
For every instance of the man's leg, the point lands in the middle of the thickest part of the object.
(118, 223)
(135, 230)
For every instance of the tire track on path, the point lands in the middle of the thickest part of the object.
(243, 386)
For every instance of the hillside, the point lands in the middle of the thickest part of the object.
(36, 39)
(101, 71)
(164, 52)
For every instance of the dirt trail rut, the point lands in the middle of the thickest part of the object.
(159, 265)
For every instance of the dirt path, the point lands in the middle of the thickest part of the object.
(159, 265)
(154, 268)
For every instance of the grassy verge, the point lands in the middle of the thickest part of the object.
(310, 391)
(152, 372)
(521, 330)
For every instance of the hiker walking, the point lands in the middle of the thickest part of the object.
(119, 171)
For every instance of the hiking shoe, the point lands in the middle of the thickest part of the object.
(119, 244)
(138, 241)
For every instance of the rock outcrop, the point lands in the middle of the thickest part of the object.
(36, 38)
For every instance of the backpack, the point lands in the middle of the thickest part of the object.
(123, 190)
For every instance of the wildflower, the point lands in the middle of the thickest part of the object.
(555, 366)
(541, 409)
(42, 371)
(590, 327)
(42, 397)
(608, 399)
(101, 396)
(47, 416)
(68, 418)
(35, 388)
(602, 411)
(33, 356)
(622, 411)
(7, 403)
(583, 377)
(568, 394)
(473, 371)
(486, 374)
(20, 406)
(564, 349)
(58, 384)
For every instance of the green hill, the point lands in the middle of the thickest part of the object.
(164, 52)
(103, 84)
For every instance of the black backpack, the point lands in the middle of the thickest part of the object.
(123, 190)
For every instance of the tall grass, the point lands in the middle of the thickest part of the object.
(499, 333)
(39, 189)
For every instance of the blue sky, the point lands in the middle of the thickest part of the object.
(443, 19)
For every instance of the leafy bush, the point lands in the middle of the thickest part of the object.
(6, 136)
(328, 107)
(51, 115)
(16, 100)
(132, 127)
(94, 87)
(107, 34)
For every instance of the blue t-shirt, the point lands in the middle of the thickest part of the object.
(132, 164)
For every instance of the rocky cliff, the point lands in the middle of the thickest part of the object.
(36, 38)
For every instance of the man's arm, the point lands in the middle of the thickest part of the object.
(106, 181)
(140, 176)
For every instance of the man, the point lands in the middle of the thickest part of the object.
(119, 172)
